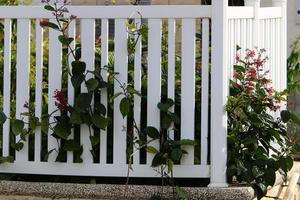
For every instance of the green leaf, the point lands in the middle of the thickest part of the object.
(2, 117)
(285, 116)
(18, 146)
(48, 7)
(92, 84)
(17, 126)
(6, 159)
(125, 107)
(99, 121)
(151, 149)
(270, 177)
(52, 25)
(158, 160)
(165, 106)
(94, 140)
(176, 154)
(187, 142)
(239, 68)
(78, 67)
(83, 101)
(64, 40)
(75, 118)
(257, 172)
(71, 145)
(152, 132)
(77, 80)
(61, 131)
(100, 108)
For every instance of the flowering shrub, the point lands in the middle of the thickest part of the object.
(253, 125)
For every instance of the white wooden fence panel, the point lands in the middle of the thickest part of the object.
(71, 92)
(121, 64)
(137, 87)
(248, 26)
(87, 56)
(154, 78)
(104, 63)
(171, 65)
(188, 86)
(204, 91)
(38, 89)
(113, 12)
(22, 90)
(54, 83)
(6, 85)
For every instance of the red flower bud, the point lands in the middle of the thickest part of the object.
(44, 23)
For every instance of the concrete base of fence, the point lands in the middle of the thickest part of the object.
(101, 191)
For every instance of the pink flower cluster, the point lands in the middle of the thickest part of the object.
(60, 101)
(250, 77)
(58, 11)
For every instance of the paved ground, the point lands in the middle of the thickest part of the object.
(4, 197)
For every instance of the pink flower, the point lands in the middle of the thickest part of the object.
(72, 17)
(270, 91)
(250, 53)
(250, 91)
(60, 100)
(250, 84)
(258, 62)
(236, 75)
(252, 74)
(238, 57)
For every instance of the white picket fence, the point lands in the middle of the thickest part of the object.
(227, 27)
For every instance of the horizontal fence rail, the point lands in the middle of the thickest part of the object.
(188, 58)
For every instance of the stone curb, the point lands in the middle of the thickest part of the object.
(102, 191)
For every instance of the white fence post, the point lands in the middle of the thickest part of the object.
(256, 21)
(283, 42)
(219, 85)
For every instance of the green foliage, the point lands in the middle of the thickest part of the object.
(293, 68)
(253, 127)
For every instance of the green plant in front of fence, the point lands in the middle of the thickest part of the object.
(254, 126)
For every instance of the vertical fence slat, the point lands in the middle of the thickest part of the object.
(38, 90)
(54, 83)
(121, 60)
(104, 62)
(204, 90)
(188, 86)
(6, 85)
(171, 64)
(154, 78)
(219, 93)
(71, 93)
(23, 67)
(88, 56)
(232, 47)
(278, 75)
(137, 86)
